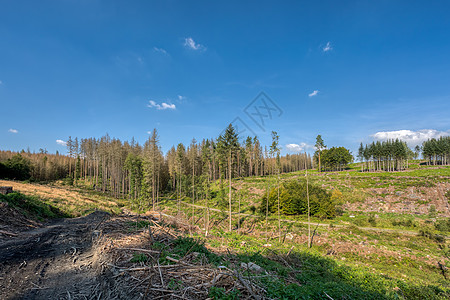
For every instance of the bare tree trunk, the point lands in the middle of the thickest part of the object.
(229, 190)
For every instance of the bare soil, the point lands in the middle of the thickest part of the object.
(58, 261)
(414, 200)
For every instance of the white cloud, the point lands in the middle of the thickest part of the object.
(61, 142)
(160, 50)
(314, 93)
(327, 47)
(13, 130)
(181, 98)
(412, 138)
(161, 106)
(298, 147)
(191, 44)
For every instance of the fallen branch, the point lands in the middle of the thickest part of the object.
(141, 250)
(7, 233)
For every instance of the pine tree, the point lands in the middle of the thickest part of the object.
(228, 145)
(320, 146)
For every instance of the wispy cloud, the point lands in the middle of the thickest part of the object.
(160, 50)
(314, 93)
(299, 147)
(181, 99)
(161, 106)
(412, 138)
(327, 47)
(1, 82)
(191, 44)
(13, 130)
(61, 142)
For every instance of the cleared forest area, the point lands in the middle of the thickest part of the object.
(387, 239)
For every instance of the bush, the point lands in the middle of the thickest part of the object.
(442, 225)
(293, 200)
(404, 223)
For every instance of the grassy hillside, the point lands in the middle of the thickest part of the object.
(388, 242)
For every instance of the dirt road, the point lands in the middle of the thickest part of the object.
(55, 262)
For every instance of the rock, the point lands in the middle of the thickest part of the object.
(252, 267)
(289, 236)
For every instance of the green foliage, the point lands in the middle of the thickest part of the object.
(218, 293)
(437, 150)
(32, 206)
(336, 158)
(16, 167)
(186, 245)
(427, 232)
(293, 200)
(388, 155)
(409, 223)
(442, 225)
(175, 284)
(139, 257)
(432, 211)
(68, 180)
(139, 224)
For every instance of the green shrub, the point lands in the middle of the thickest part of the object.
(293, 200)
(442, 225)
(432, 211)
(404, 223)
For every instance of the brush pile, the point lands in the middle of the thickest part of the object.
(154, 259)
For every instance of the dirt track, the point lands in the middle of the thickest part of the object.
(58, 261)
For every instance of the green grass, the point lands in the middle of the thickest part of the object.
(32, 206)
(309, 273)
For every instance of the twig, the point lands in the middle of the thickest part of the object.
(7, 233)
(150, 234)
(139, 249)
(328, 296)
(160, 274)
(249, 289)
(290, 250)
(178, 261)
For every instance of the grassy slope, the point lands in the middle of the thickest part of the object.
(401, 258)
(346, 262)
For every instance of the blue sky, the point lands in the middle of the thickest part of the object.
(352, 71)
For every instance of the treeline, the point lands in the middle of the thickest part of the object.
(143, 172)
(390, 155)
(437, 151)
(33, 166)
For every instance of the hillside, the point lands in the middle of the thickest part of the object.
(388, 242)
